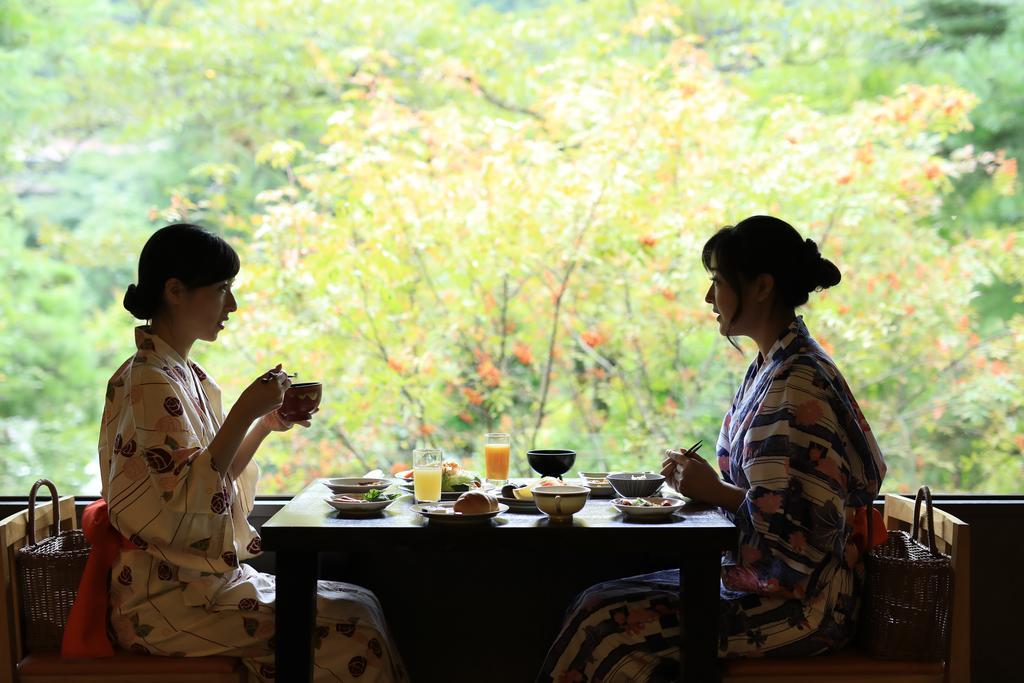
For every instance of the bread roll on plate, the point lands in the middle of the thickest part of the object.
(475, 502)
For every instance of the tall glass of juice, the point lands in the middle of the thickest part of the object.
(426, 475)
(496, 452)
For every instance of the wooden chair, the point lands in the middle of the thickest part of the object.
(123, 667)
(850, 666)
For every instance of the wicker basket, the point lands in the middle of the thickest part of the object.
(909, 587)
(48, 577)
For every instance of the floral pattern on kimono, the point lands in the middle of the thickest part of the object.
(185, 590)
(797, 440)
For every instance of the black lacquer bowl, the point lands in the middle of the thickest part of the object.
(551, 462)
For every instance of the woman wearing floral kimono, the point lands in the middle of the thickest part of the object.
(179, 480)
(799, 466)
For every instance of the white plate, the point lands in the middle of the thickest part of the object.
(356, 484)
(649, 512)
(516, 505)
(368, 507)
(443, 513)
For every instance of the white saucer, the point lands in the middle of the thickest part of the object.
(444, 513)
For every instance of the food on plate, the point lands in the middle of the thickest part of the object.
(509, 490)
(644, 503)
(475, 502)
(525, 492)
(373, 495)
(453, 477)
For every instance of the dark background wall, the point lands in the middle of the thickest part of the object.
(512, 604)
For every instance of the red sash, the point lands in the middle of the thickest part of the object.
(85, 635)
(859, 536)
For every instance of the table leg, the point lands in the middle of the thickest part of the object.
(698, 633)
(295, 615)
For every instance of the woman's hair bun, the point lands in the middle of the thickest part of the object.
(135, 303)
(822, 272)
(828, 274)
(811, 249)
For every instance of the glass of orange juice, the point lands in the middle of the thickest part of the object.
(496, 452)
(426, 475)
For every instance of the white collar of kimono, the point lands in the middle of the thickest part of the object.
(778, 350)
(146, 340)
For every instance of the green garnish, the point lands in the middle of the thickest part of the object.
(373, 494)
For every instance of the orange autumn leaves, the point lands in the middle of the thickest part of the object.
(593, 338)
(522, 353)
(488, 373)
(489, 376)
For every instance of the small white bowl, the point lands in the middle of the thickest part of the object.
(560, 503)
(356, 484)
(598, 484)
(649, 512)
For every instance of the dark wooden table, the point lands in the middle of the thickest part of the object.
(307, 526)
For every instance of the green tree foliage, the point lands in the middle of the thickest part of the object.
(47, 417)
(470, 216)
(975, 55)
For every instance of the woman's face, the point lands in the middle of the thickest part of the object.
(203, 311)
(723, 300)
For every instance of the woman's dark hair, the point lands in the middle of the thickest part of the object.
(765, 244)
(184, 251)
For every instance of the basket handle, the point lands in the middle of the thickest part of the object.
(32, 509)
(926, 493)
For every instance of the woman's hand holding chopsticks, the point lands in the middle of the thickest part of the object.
(691, 475)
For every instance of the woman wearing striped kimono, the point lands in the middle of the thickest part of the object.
(179, 480)
(799, 466)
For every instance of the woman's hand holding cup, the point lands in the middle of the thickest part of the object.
(274, 422)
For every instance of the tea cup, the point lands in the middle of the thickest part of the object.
(301, 401)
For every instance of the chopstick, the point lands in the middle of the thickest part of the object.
(270, 375)
(692, 450)
(688, 453)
